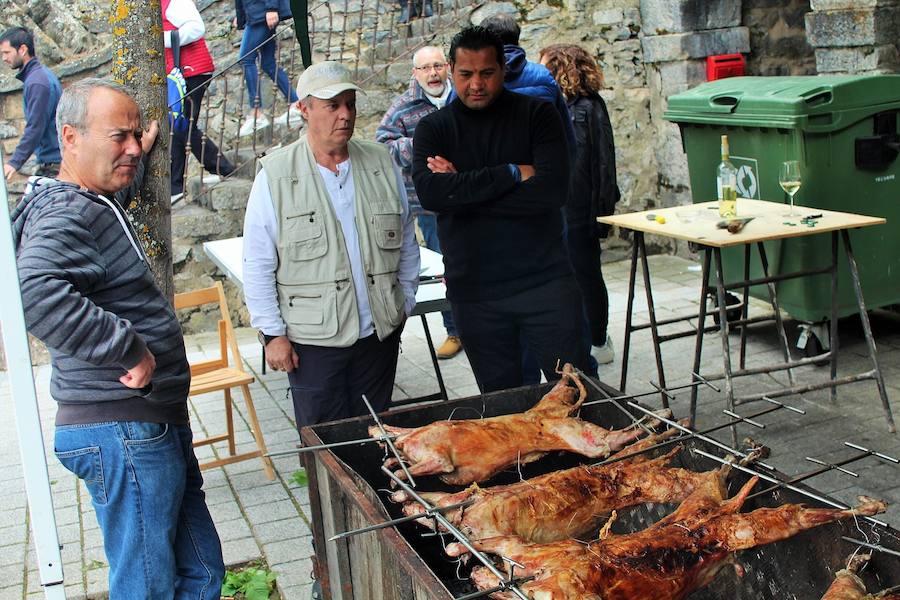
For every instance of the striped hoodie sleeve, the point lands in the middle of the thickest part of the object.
(57, 257)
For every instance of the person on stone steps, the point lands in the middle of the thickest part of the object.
(428, 91)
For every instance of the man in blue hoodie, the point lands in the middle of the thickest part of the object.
(525, 77)
(40, 95)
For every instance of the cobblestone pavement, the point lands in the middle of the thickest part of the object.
(257, 518)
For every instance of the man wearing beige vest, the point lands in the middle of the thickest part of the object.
(331, 263)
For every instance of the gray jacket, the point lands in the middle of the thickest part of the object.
(89, 295)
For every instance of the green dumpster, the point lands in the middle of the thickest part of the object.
(843, 130)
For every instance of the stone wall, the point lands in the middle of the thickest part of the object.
(855, 36)
(778, 44)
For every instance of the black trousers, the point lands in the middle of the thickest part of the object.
(548, 320)
(205, 151)
(584, 254)
(330, 382)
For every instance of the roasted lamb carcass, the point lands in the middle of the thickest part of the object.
(467, 451)
(569, 503)
(847, 586)
(667, 561)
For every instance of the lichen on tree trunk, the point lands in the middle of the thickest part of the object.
(139, 64)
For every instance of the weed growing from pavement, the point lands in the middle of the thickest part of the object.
(252, 582)
(300, 478)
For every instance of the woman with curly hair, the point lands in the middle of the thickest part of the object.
(593, 190)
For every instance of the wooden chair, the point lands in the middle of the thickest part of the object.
(218, 375)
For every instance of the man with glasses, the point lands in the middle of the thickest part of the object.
(428, 91)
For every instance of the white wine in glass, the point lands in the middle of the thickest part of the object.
(789, 179)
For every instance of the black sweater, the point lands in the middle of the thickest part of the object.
(498, 237)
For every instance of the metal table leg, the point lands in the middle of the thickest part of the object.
(654, 330)
(833, 337)
(723, 333)
(701, 326)
(867, 329)
(745, 307)
(773, 300)
(434, 358)
(629, 308)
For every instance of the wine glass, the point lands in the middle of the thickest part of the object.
(789, 179)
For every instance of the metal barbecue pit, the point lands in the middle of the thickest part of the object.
(399, 562)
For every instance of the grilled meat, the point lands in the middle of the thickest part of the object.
(467, 451)
(568, 503)
(847, 586)
(667, 561)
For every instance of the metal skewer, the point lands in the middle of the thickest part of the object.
(827, 467)
(329, 446)
(696, 434)
(607, 398)
(873, 453)
(771, 479)
(500, 588)
(451, 528)
(387, 440)
(868, 545)
(425, 515)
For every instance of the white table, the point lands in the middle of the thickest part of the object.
(430, 297)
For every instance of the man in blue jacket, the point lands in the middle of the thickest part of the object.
(40, 94)
(522, 76)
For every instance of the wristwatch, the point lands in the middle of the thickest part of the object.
(264, 339)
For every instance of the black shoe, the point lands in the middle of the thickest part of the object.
(732, 314)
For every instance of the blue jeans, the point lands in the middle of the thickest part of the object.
(145, 483)
(428, 227)
(254, 35)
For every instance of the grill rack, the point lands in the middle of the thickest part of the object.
(703, 451)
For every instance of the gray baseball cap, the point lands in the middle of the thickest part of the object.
(325, 80)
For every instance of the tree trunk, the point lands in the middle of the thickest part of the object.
(139, 64)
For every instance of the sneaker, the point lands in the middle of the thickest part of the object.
(291, 117)
(252, 124)
(211, 179)
(604, 354)
(450, 348)
(176, 197)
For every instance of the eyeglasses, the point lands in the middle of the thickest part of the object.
(435, 66)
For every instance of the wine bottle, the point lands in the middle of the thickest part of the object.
(726, 181)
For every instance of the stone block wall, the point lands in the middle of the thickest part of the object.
(675, 48)
(855, 36)
(778, 41)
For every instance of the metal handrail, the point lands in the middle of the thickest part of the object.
(356, 29)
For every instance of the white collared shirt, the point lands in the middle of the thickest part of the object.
(260, 260)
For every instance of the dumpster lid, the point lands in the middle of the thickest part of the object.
(820, 102)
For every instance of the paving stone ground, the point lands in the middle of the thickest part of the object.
(257, 518)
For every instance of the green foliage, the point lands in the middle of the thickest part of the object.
(300, 478)
(250, 583)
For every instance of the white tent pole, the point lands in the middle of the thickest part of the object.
(28, 421)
